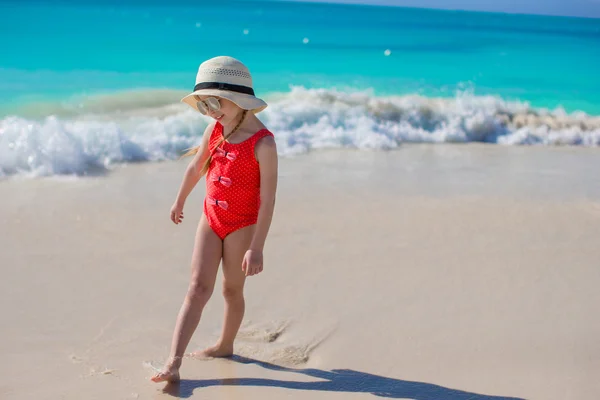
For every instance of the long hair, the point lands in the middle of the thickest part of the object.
(194, 150)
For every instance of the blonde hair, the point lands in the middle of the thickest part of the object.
(194, 150)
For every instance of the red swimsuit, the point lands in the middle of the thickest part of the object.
(232, 183)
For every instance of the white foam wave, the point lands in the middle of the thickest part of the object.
(56, 147)
(309, 119)
(302, 120)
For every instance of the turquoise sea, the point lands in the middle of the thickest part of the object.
(90, 83)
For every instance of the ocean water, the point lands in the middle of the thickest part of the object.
(88, 84)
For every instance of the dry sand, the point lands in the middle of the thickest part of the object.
(431, 272)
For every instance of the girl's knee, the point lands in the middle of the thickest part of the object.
(231, 292)
(200, 291)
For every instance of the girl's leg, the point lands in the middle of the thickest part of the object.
(235, 246)
(208, 250)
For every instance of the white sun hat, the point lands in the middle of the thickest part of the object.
(228, 78)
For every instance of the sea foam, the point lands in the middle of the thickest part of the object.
(302, 120)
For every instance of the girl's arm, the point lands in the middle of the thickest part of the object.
(266, 155)
(192, 176)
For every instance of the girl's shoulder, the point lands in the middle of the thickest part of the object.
(265, 137)
(264, 145)
(262, 137)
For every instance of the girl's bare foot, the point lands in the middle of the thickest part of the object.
(170, 372)
(218, 350)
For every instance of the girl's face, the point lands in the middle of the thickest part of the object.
(227, 112)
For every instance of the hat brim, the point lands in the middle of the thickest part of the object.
(242, 100)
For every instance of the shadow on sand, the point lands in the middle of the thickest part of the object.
(337, 380)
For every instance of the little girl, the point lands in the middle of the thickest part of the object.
(239, 158)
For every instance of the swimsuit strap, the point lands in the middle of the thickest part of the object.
(259, 135)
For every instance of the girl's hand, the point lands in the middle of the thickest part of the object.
(177, 213)
(253, 262)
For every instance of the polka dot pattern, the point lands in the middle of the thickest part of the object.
(232, 177)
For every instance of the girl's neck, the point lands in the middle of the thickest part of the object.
(236, 125)
(234, 122)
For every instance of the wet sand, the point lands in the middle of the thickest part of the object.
(430, 272)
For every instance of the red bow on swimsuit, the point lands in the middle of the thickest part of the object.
(219, 152)
(214, 202)
(225, 181)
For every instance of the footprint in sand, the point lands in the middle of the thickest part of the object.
(96, 345)
(268, 332)
(76, 359)
(267, 343)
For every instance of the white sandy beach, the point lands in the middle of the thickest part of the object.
(426, 273)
